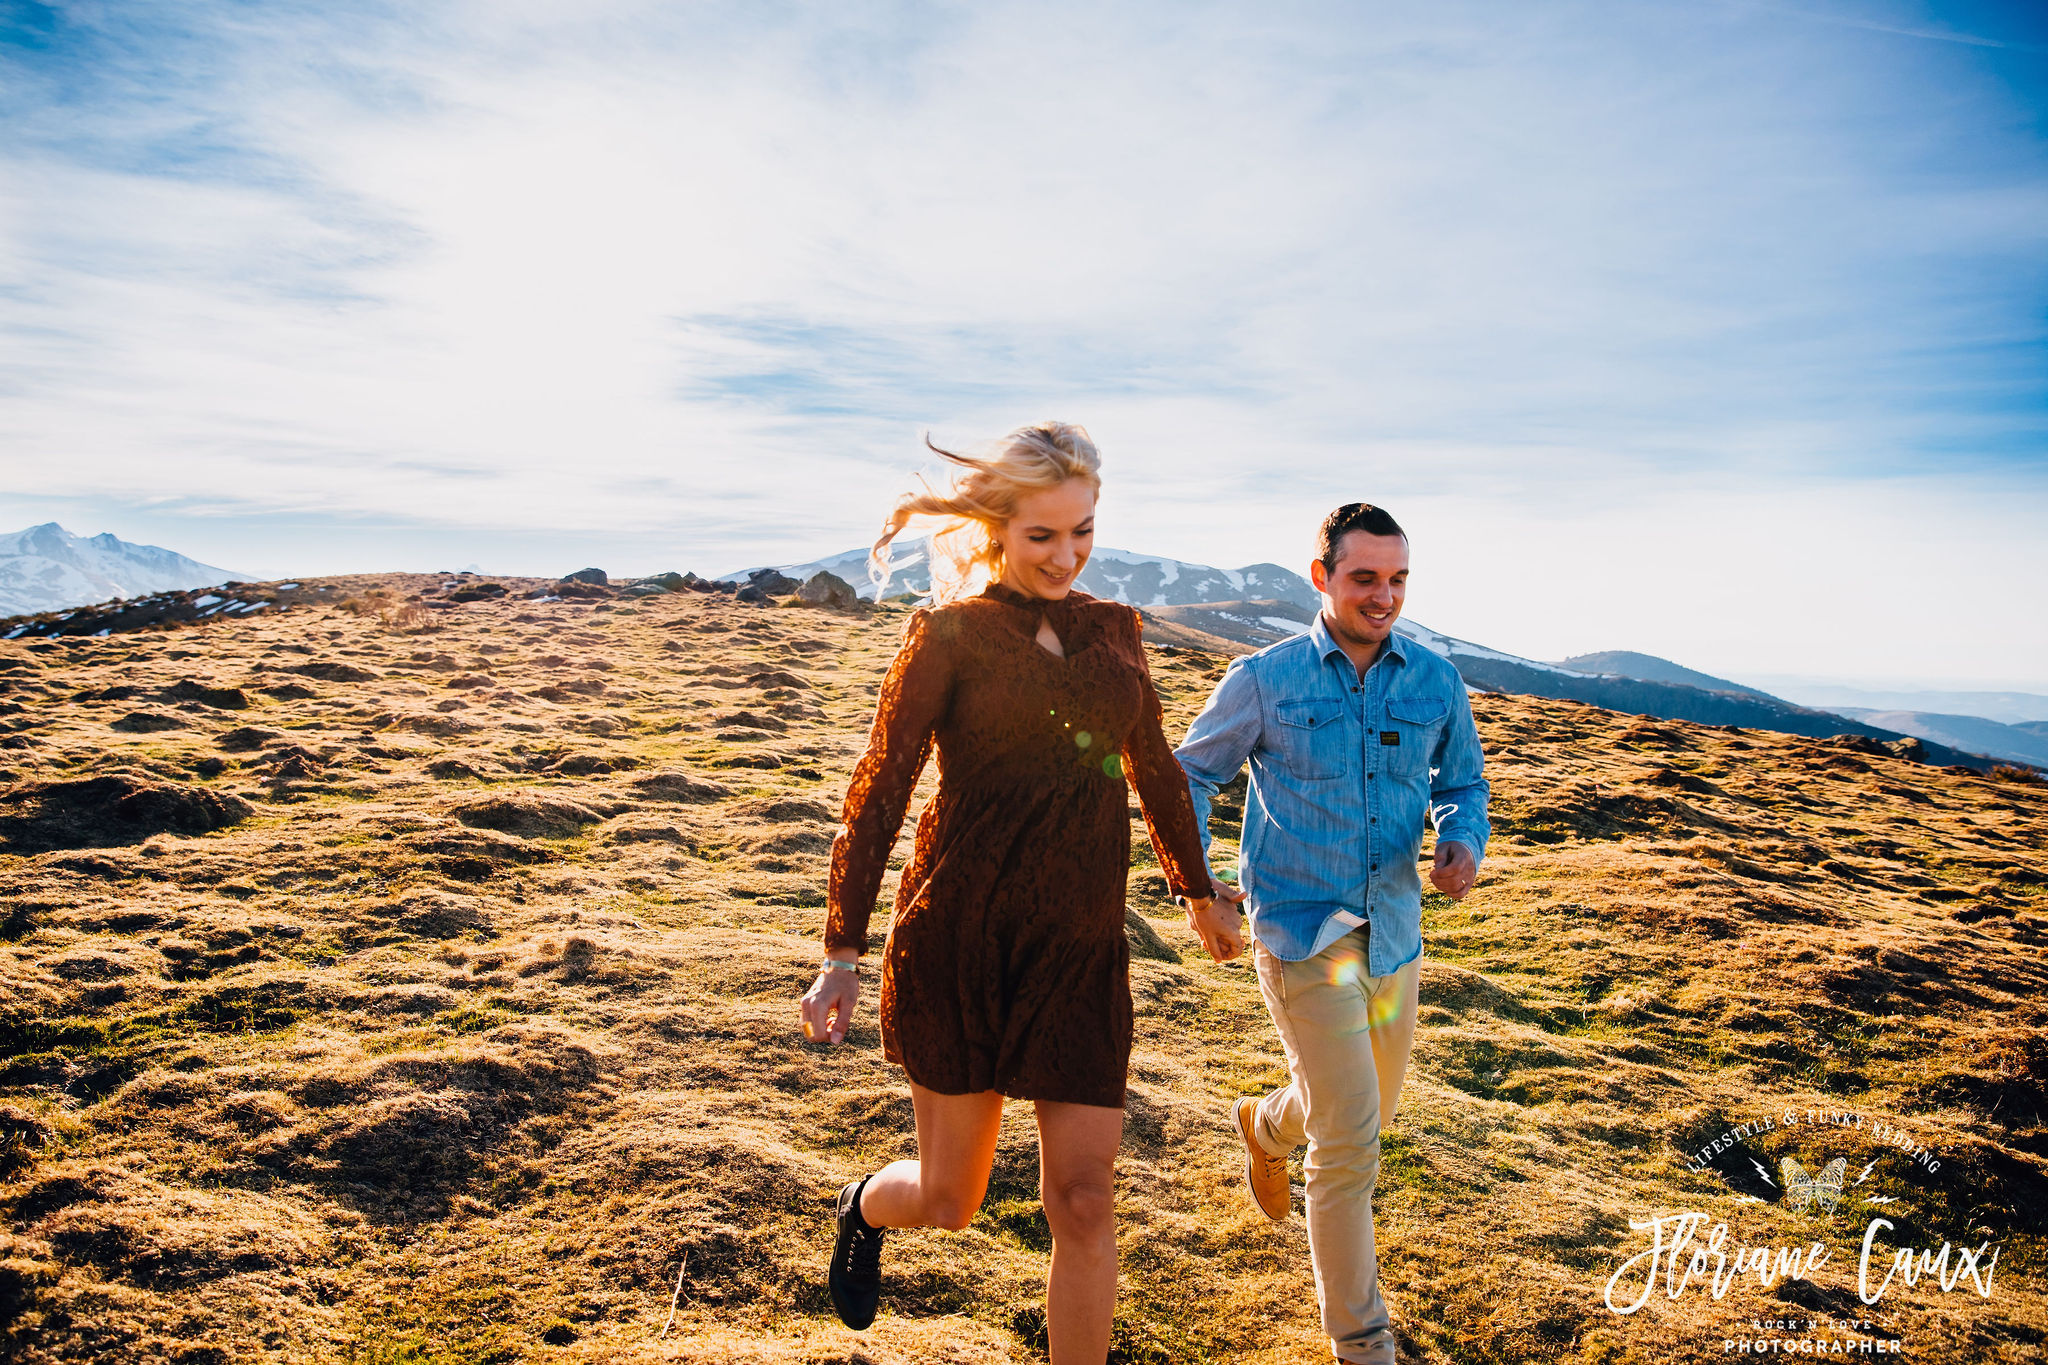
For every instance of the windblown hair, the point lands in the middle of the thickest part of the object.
(982, 497)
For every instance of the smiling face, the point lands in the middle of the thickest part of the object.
(1046, 543)
(1363, 591)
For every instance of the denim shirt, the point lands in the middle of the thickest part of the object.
(1344, 773)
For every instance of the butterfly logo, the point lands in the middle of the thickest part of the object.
(1803, 1191)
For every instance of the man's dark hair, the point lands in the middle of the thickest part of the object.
(1353, 516)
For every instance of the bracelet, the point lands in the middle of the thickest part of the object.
(834, 964)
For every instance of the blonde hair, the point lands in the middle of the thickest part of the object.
(983, 496)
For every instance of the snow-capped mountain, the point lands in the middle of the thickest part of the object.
(46, 568)
(1120, 575)
(1471, 658)
(1240, 610)
(1151, 581)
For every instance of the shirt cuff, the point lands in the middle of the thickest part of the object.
(857, 942)
(1460, 836)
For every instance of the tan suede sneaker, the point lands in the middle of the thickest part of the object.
(1265, 1176)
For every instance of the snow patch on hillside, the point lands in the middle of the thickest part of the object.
(1448, 645)
(1119, 575)
(47, 568)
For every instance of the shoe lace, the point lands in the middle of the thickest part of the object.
(865, 1253)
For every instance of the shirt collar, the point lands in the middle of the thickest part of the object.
(1063, 612)
(1319, 631)
(1003, 592)
(1326, 644)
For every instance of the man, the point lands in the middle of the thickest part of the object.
(1355, 735)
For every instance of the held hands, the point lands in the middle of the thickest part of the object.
(829, 1004)
(1455, 869)
(1215, 921)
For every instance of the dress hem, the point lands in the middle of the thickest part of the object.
(1017, 1093)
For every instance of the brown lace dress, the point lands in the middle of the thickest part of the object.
(1006, 967)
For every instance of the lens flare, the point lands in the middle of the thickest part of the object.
(1383, 1009)
(1380, 1010)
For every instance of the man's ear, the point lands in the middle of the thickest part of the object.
(1318, 576)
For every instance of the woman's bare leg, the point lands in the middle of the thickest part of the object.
(956, 1146)
(1077, 1185)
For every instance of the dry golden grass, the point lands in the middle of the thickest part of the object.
(477, 1031)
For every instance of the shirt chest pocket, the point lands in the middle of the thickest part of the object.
(1313, 741)
(1419, 722)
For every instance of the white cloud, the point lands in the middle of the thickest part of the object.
(685, 282)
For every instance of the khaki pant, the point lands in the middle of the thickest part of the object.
(1348, 1036)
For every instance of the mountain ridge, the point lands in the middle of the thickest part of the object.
(2007, 708)
(2019, 743)
(1141, 580)
(1628, 663)
(47, 568)
(1183, 598)
(1250, 626)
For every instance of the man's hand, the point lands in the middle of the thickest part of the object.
(1216, 921)
(829, 1004)
(1455, 870)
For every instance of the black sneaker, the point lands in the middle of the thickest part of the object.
(856, 1275)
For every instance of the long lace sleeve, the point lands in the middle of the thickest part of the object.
(913, 698)
(1163, 789)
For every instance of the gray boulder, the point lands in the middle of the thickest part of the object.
(773, 582)
(827, 589)
(596, 576)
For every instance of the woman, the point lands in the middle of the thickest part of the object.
(1007, 969)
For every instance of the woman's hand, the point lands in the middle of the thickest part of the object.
(829, 1004)
(1216, 922)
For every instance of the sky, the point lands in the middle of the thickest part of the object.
(1706, 328)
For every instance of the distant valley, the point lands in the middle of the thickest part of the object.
(2008, 708)
(2026, 742)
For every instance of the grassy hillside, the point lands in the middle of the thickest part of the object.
(381, 985)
